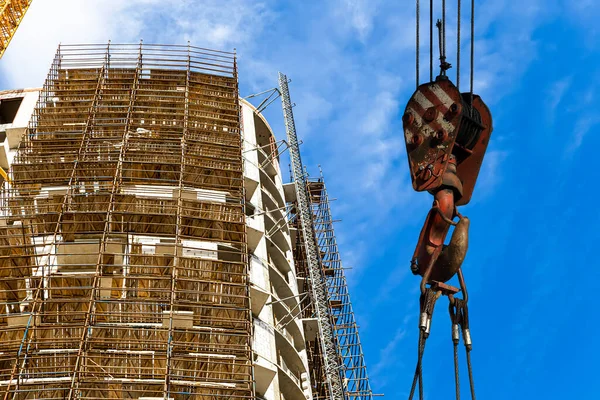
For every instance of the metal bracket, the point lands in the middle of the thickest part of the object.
(267, 101)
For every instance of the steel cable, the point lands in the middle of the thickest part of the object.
(444, 29)
(458, 48)
(431, 40)
(462, 311)
(468, 346)
(427, 301)
(417, 376)
(417, 35)
(456, 376)
(472, 46)
(421, 396)
(470, 374)
(455, 341)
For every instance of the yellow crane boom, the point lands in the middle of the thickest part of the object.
(11, 15)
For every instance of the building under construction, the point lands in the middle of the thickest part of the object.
(149, 248)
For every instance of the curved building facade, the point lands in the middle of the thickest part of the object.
(280, 360)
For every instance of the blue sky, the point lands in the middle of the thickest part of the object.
(533, 220)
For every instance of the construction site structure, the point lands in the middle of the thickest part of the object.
(16, 108)
(145, 248)
(123, 244)
(281, 367)
(336, 360)
(149, 248)
(11, 15)
(316, 288)
(345, 328)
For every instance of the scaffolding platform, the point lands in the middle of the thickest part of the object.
(349, 349)
(123, 259)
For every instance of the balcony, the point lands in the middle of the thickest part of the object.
(278, 257)
(278, 230)
(281, 287)
(287, 352)
(270, 166)
(288, 330)
(290, 383)
(264, 372)
(259, 298)
(255, 231)
(270, 205)
(269, 185)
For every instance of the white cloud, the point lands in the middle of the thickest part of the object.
(385, 358)
(556, 93)
(216, 24)
(391, 283)
(584, 13)
(583, 126)
(211, 23)
(384, 108)
(315, 108)
(490, 174)
(362, 13)
(46, 24)
(581, 109)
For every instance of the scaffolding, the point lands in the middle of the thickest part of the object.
(11, 15)
(124, 270)
(353, 370)
(345, 328)
(318, 377)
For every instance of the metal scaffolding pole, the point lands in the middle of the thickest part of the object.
(318, 288)
(123, 247)
(345, 328)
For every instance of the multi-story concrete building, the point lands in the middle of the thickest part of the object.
(16, 108)
(128, 271)
(146, 247)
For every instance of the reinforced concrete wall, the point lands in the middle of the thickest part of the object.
(280, 362)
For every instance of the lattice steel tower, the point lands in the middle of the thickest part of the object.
(336, 359)
(12, 13)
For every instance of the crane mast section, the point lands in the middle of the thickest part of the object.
(318, 288)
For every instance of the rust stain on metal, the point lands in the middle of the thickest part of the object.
(430, 124)
(468, 168)
(453, 255)
(440, 122)
(444, 288)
